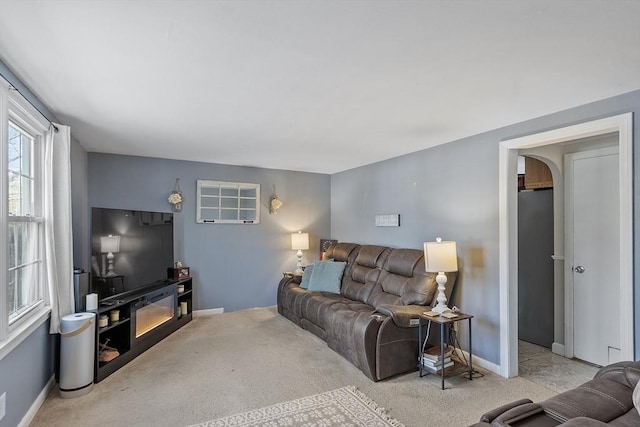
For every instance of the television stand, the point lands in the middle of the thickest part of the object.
(137, 321)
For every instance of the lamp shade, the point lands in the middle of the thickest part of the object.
(440, 256)
(109, 244)
(300, 241)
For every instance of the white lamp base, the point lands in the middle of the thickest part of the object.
(110, 272)
(441, 307)
(299, 264)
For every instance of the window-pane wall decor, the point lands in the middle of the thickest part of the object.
(220, 202)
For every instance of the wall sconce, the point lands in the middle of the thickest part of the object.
(274, 203)
(175, 198)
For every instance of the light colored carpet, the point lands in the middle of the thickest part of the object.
(231, 363)
(346, 406)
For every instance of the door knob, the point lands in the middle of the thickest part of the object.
(579, 269)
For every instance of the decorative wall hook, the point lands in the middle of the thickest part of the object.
(274, 203)
(175, 198)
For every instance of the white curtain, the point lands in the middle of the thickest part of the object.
(58, 240)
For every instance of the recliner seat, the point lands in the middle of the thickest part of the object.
(606, 400)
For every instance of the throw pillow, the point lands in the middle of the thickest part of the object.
(304, 284)
(326, 276)
(636, 397)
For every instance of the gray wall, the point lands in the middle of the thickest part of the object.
(452, 191)
(234, 266)
(25, 372)
(449, 191)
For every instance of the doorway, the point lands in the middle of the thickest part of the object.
(535, 251)
(621, 126)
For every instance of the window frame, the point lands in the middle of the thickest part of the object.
(15, 108)
(239, 186)
(37, 173)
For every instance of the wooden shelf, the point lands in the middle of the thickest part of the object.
(537, 174)
(113, 325)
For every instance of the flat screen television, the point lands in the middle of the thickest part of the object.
(130, 250)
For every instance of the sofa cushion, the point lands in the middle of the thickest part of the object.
(360, 280)
(403, 261)
(403, 280)
(341, 251)
(326, 276)
(316, 305)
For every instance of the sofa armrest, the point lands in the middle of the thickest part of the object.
(626, 373)
(404, 316)
(488, 417)
(285, 283)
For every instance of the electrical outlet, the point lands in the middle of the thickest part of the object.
(3, 400)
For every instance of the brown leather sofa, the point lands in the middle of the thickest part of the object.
(604, 401)
(372, 321)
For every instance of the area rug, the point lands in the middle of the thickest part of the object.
(345, 406)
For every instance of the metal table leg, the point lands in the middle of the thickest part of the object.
(442, 351)
(470, 354)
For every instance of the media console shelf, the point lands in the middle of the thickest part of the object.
(144, 317)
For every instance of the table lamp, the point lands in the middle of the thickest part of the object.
(440, 257)
(299, 242)
(110, 244)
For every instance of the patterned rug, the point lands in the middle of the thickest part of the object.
(345, 406)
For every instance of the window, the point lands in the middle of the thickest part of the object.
(24, 223)
(22, 281)
(228, 202)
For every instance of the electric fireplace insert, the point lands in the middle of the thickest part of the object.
(152, 310)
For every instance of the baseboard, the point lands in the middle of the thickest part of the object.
(557, 348)
(35, 406)
(200, 313)
(482, 363)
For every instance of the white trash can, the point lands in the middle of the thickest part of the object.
(77, 354)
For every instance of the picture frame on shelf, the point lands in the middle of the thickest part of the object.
(324, 245)
(178, 273)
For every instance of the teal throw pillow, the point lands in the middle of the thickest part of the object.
(326, 276)
(306, 276)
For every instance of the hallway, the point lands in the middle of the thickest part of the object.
(540, 365)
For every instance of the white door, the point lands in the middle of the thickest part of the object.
(594, 235)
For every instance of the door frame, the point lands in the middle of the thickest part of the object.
(508, 223)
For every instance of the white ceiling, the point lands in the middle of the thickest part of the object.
(319, 86)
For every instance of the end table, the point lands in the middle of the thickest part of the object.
(459, 366)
